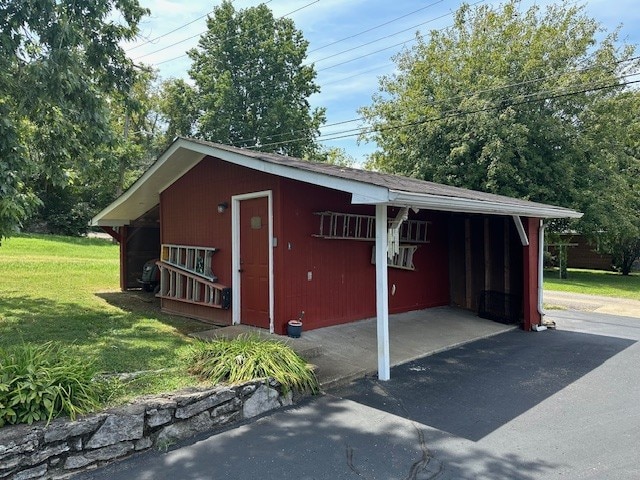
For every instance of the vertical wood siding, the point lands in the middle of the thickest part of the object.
(342, 284)
(190, 217)
(485, 254)
(332, 281)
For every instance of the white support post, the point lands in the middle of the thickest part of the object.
(382, 295)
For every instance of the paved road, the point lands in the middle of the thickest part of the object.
(547, 405)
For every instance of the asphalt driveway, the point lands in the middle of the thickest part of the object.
(477, 388)
(547, 405)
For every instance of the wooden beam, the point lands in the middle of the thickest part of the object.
(468, 264)
(114, 233)
(507, 257)
(521, 231)
(487, 255)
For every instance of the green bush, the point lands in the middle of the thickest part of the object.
(41, 382)
(249, 357)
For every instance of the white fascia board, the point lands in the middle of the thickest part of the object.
(373, 193)
(143, 187)
(379, 197)
(109, 223)
(465, 205)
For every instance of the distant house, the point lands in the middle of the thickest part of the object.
(245, 237)
(582, 254)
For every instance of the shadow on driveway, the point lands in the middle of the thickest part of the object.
(472, 390)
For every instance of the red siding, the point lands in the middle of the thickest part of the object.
(342, 285)
(189, 216)
(530, 267)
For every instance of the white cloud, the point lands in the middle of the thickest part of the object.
(349, 86)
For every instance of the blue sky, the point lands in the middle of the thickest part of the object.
(351, 42)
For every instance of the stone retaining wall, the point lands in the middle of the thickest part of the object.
(63, 448)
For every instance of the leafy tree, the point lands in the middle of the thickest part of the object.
(250, 85)
(532, 105)
(333, 155)
(178, 106)
(609, 188)
(493, 103)
(134, 139)
(59, 60)
(135, 122)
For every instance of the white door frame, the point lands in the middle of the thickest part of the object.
(235, 254)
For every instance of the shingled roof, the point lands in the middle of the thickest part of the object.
(366, 187)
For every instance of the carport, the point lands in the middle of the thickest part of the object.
(477, 242)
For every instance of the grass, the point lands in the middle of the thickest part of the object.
(595, 282)
(66, 290)
(249, 357)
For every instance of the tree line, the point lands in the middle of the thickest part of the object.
(540, 104)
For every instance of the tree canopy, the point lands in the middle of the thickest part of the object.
(60, 61)
(524, 104)
(251, 87)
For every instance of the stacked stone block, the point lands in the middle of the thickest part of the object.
(63, 448)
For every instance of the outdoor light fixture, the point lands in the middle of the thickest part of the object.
(222, 207)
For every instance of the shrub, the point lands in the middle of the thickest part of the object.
(249, 357)
(41, 382)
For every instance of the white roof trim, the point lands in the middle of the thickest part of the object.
(359, 189)
(465, 205)
(145, 189)
(184, 154)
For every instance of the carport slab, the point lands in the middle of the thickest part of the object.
(350, 350)
(346, 352)
(474, 389)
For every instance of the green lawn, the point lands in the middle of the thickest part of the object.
(66, 290)
(595, 282)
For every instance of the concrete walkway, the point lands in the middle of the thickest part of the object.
(345, 352)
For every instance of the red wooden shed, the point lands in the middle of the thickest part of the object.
(245, 237)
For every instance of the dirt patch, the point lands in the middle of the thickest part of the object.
(139, 302)
(135, 301)
(592, 303)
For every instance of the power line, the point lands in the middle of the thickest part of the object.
(151, 40)
(375, 27)
(387, 36)
(170, 46)
(410, 40)
(455, 113)
(466, 95)
(228, 38)
(510, 85)
(451, 114)
(404, 42)
(342, 79)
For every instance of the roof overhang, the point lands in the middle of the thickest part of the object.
(485, 207)
(183, 154)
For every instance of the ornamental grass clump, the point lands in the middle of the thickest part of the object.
(250, 357)
(41, 382)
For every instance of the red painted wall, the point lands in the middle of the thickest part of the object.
(342, 284)
(189, 216)
(530, 267)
